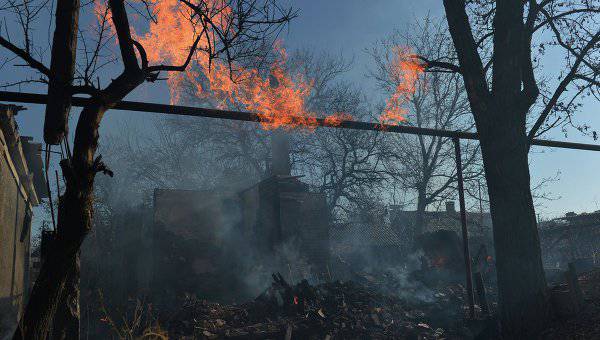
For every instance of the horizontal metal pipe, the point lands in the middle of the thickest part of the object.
(35, 98)
(565, 145)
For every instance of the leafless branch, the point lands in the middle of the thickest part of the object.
(26, 56)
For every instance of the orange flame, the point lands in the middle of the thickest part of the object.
(404, 70)
(279, 98)
(170, 37)
(337, 118)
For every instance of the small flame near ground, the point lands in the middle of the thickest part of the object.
(279, 98)
(439, 262)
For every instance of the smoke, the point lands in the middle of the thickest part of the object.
(227, 157)
(398, 279)
(406, 285)
(286, 260)
(254, 265)
(370, 252)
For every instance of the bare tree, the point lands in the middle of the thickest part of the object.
(345, 165)
(499, 49)
(238, 149)
(426, 165)
(234, 35)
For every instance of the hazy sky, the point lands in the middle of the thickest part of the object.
(350, 26)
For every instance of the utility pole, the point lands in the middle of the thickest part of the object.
(465, 233)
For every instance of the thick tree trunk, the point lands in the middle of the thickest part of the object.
(66, 321)
(522, 291)
(500, 115)
(36, 322)
(75, 210)
(64, 53)
(61, 268)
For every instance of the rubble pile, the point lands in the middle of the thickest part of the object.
(333, 310)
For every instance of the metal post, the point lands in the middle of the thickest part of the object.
(480, 209)
(463, 221)
(481, 295)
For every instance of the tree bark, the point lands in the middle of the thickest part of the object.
(500, 116)
(36, 322)
(62, 264)
(62, 68)
(523, 299)
(66, 322)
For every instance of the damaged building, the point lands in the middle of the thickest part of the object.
(479, 224)
(189, 246)
(198, 235)
(389, 237)
(22, 186)
(571, 238)
(365, 239)
(220, 244)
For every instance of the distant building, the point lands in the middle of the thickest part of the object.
(21, 187)
(360, 244)
(572, 238)
(389, 236)
(206, 243)
(188, 254)
(479, 224)
(218, 245)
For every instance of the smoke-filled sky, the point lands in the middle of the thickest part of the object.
(347, 27)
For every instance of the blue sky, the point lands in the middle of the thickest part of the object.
(350, 26)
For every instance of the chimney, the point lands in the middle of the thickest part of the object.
(280, 154)
(450, 208)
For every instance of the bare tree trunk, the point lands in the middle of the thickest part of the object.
(64, 52)
(66, 322)
(500, 115)
(61, 268)
(523, 300)
(420, 213)
(36, 322)
(75, 213)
